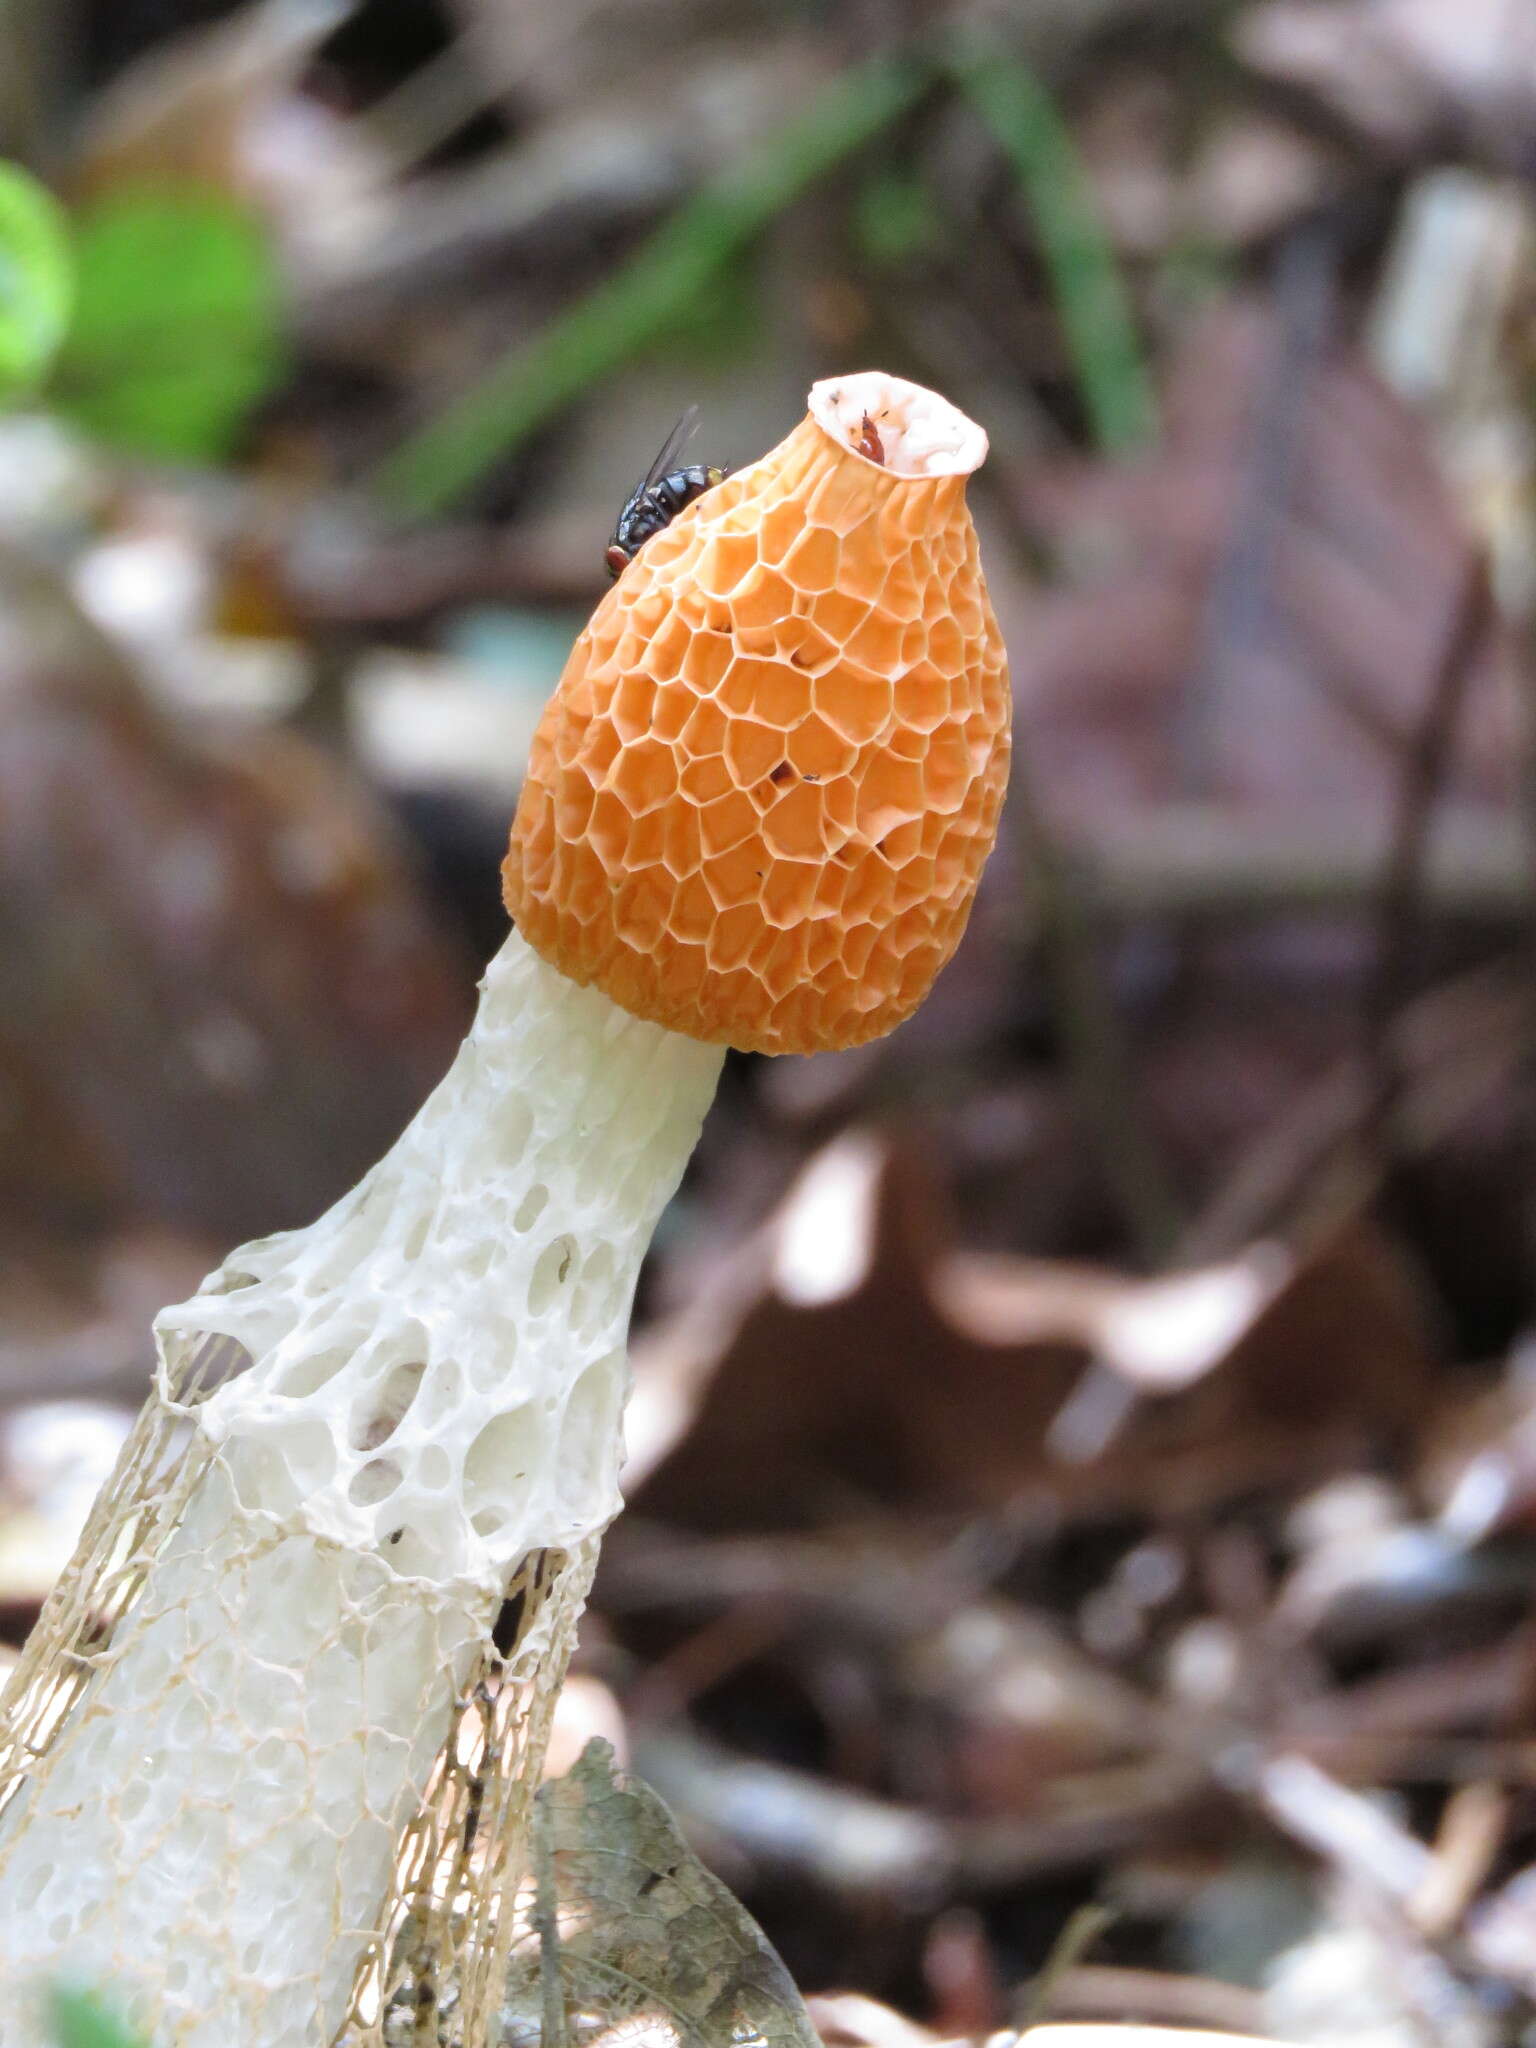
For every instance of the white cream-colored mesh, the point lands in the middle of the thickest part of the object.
(263, 1765)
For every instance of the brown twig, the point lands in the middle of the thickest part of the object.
(1402, 918)
(1097, 1054)
(1238, 607)
(1098, 1991)
(1455, 1043)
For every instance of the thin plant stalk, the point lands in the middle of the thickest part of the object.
(448, 456)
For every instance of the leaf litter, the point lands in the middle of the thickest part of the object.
(1082, 1449)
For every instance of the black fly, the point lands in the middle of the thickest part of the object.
(660, 495)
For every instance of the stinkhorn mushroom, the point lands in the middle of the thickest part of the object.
(267, 1752)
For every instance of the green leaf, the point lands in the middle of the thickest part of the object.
(35, 279)
(1090, 294)
(632, 309)
(81, 2021)
(723, 323)
(177, 324)
(894, 217)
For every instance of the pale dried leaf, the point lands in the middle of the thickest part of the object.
(849, 2019)
(634, 1932)
(1108, 2036)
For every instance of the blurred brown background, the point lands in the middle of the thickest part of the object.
(1084, 1446)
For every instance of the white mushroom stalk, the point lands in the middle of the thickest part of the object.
(264, 1763)
(436, 1378)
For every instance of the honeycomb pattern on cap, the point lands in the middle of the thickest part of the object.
(759, 803)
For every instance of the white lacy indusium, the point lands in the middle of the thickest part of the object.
(208, 1817)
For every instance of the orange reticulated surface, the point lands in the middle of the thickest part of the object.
(759, 803)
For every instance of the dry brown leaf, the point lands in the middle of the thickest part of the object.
(1081, 2036)
(849, 2019)
(75, 1316)
(1407, 72)
(1020, 1708)
(221, 990)
(1478, 1468)
(632, 1935)
(184, 112)
(848, 1351)
(1221, 705)
(1286, 689)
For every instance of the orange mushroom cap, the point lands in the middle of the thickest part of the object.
(758, 805)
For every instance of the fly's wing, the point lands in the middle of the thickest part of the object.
(666, 459)
(670, 449)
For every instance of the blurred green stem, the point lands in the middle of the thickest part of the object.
(450, 454)
(1089, 291)
(1073, 1943)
